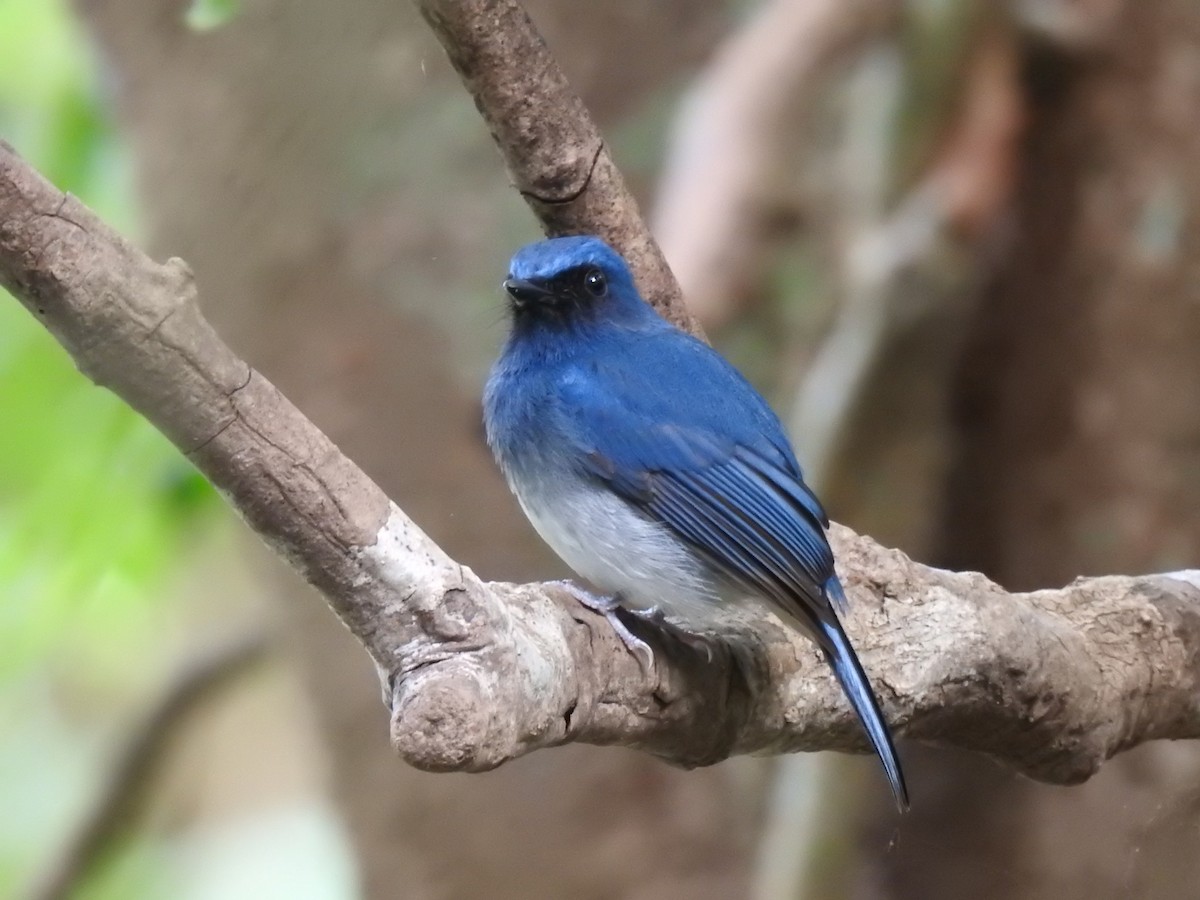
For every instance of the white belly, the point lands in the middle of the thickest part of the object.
(621, 551)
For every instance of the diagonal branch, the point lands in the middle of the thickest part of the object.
(1052, 682)
(554, 151)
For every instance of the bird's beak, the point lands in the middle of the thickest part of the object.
(523, 291)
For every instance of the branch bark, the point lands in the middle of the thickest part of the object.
(554, 152)
(1052, 682)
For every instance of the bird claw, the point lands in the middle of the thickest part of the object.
(698, 641)
(655, 616)
(652, 614)
(387, 686)
(610, 607)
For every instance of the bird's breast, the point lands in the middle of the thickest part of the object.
(614, 546)
(599, 535)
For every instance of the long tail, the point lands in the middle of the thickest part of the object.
(850, 675)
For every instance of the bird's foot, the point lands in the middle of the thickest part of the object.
(655, 616)
(610, 607)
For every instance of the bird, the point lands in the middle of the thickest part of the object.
(654, 469)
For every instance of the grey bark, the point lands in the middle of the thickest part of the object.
(1052, 683)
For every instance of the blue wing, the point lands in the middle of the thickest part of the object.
(678, 432)
(682, 436)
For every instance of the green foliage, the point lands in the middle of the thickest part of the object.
(93, 502)
(95, 505)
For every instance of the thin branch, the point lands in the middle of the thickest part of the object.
(554, 152)
(140, 761)
(1052, 683)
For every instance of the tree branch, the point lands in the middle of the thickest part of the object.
(1052, 682)
(140, 762)
(554, 152)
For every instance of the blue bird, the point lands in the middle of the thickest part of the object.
(653, 468)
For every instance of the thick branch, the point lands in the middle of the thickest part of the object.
(1052, 683)
(554, 152)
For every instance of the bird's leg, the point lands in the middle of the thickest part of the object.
(655, 616)
(610, 608)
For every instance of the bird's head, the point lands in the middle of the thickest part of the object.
(570, 281)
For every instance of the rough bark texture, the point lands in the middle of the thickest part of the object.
(1052, 683)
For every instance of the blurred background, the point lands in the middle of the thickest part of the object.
(956, 242)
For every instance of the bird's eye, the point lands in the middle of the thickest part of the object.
(595, 282)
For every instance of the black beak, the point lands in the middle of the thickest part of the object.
(524, 292)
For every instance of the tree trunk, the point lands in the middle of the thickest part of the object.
(1078, 406)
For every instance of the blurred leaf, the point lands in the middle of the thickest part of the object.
(95, 506)
(205, 15)
(138, 870)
